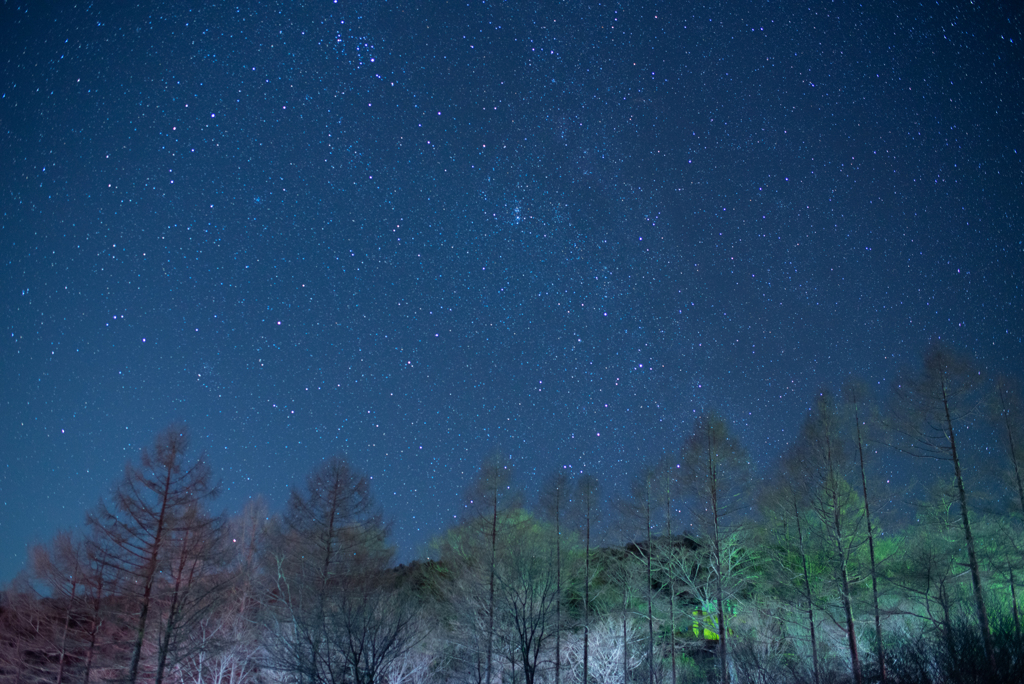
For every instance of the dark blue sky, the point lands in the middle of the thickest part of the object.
(416, 232)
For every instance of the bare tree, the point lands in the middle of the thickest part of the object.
(194, 586)
(639, 510)
(930, 409)
(623, 574)
(819, 449)
(225, 645)
(556, 497)
(24, 627)
(152, 507)
(371, 626)
(331, 536)
(1010, 413)
(929, 568)
(784, 507)
(716, 472)
(471, 553)
(587, 515)
(667, 491)
(854, 396)
(103, 586)
(528, 594)
(612, 655)
(491, 498)
(63, 567)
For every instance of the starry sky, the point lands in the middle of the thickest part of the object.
(416, 232)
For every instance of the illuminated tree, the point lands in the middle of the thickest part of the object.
(472, 552)
(156, 515)
(556, 496)
(930, 410)
(854, 400)
(586, 513)
(821, 454)
(716, 477)
(639, 510)
(784, 506)
(77, 577)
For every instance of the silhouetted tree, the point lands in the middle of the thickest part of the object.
(330, 538)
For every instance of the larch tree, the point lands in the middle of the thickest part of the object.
(858, 410)
(667, 492)
(151, 509)
(228, 641)
(472, 552)
(1008, 417)
(555, 499)
(331, 536)
(840, 514)
(63, 568)
(492, 497)
(930, 411)
(195, 583)
(586, 515)
(640, 510)
(716, 477)
(784, 507)
(78, 578)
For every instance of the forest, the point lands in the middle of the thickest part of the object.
(698, 567)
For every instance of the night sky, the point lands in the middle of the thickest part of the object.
(416, 232)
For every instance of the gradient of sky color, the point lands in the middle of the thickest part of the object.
(414, 232)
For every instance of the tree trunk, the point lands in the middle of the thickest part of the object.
(972, 557)
(723, 652)
(149, 578)
(851, 632)
(558, 588)
(650, 593)
(671, 586)
(490, 600)
(625, 644)
(871, 551)
(723, 643)
(586, 598)
(807, 593)
(64, 634)
(1013, 597)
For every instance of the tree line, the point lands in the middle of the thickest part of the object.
(698, 571)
